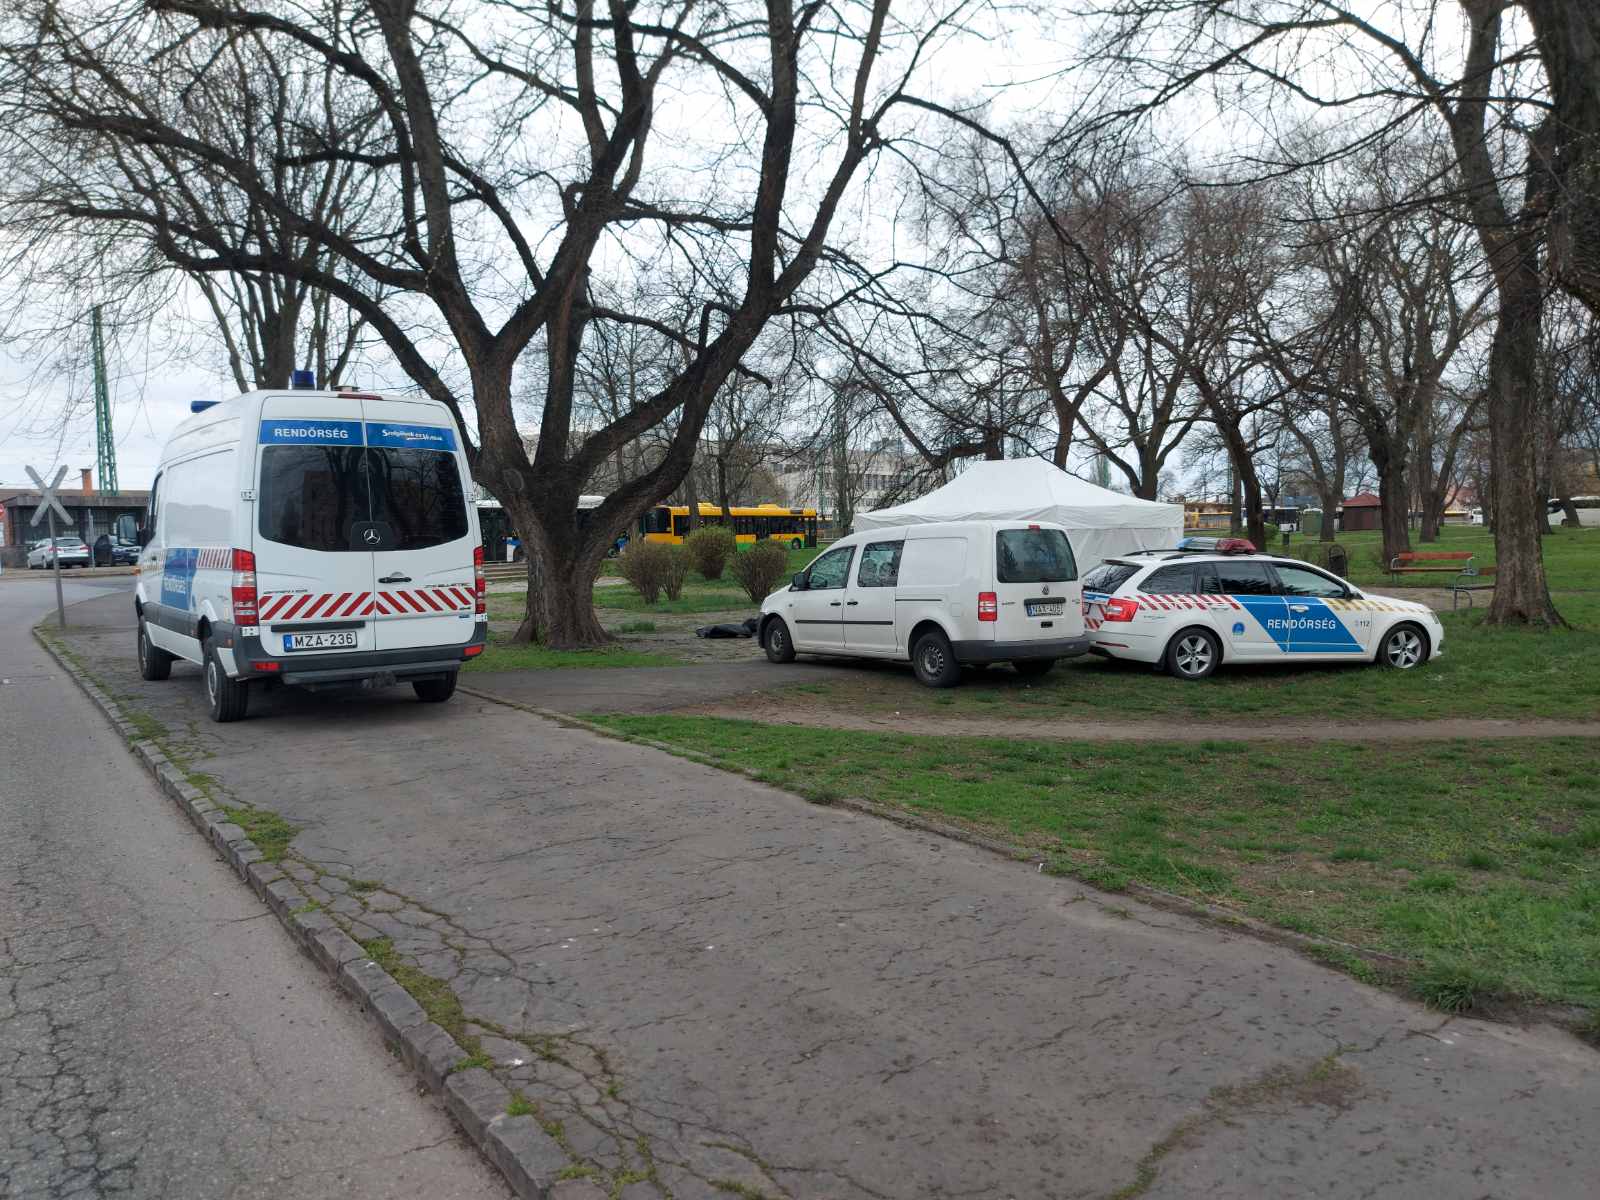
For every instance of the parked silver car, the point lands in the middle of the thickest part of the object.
(71, 550)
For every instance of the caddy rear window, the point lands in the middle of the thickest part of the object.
(311, 496)
(1034, 556)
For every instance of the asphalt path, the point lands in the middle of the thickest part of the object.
(160, 1035)
(710, 987)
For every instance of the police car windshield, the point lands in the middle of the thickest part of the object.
(311, 496)
(1034, 556)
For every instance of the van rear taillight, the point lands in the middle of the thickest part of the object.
(480, 602)
(988, 606)
(244, 591)
(1120, 609)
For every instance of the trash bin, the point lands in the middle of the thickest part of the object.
(1339, 560)
(102, 550)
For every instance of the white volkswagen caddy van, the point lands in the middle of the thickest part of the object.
(317, 538)
(941, 595)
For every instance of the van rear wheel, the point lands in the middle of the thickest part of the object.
(934, 661)
(228, 698)
(155, 664)
(435, 691)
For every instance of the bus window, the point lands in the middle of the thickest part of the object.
(657, 520)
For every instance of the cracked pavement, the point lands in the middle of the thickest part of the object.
(160, 1035)
(702, 984)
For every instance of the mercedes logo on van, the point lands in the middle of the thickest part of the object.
(373, 536)
(1047, 589)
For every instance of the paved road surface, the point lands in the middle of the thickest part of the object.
(160, 1036)
(721, 982)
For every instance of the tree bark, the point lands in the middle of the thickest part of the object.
(562, 566)
(1521, 592)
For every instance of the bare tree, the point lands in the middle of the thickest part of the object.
(484, 131)
(1523, 165)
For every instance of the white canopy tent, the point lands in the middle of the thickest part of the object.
(1100, 522)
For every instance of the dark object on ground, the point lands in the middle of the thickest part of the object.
(746, 628)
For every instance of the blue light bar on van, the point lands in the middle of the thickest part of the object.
(202, 405)
(303, 380)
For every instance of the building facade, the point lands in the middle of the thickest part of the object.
(90, 514)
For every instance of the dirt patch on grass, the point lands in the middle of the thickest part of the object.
(798, 706)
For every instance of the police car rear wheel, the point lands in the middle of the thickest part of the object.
(228, 698)
(435, 691)
(1193, 654)
(1404, 646)
(154, 664)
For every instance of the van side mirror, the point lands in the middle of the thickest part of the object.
(800, 583)
(143, 536)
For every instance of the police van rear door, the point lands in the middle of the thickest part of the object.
(314, 573)
(422, 537)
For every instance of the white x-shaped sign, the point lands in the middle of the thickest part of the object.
(48, 498)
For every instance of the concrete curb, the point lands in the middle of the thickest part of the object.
(1014, 852)
(528, 1157)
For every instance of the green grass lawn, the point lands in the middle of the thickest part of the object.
(1483, 673)
(1479, 862)
(1572, 556)
(502, 655)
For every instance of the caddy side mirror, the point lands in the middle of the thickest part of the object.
(799, 584)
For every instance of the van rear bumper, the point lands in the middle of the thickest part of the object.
(990, 652)
(358, 666)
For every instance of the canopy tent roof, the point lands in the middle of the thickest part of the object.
(1102, 522)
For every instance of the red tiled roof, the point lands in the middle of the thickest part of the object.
(1363, 500)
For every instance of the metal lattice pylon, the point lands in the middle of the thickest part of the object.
(106, 442)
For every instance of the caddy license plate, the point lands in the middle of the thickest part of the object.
(1046, 608)
(345, 640)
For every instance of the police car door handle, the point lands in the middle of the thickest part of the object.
(1299, 608)
(395, 579)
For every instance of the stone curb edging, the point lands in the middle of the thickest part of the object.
(528, 1157)
(1014, 852)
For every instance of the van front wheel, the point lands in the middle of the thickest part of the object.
(435, 691)
(155, 664)
(228, 698)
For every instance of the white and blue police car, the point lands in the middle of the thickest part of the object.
(1212, 601)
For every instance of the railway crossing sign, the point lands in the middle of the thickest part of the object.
(48, 499)
(50, 506)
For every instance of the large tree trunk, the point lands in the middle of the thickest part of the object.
(1521, 592)
(562, 565)
(1395, 507)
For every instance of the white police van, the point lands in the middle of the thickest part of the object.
(1211, 601)
(942, 594)
(317, 538)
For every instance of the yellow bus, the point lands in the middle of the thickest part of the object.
(794, 527)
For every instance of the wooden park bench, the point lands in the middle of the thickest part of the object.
(1469, 577)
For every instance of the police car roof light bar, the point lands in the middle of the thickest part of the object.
(303, 381)
(199, 406)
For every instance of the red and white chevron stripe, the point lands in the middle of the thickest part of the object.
(396, 602)
(1180, 602)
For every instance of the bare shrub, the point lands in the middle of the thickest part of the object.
(759, 569)
(645, 565)
(675, 572)
(709, 549)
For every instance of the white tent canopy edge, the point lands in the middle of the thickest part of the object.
(1101, 523)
